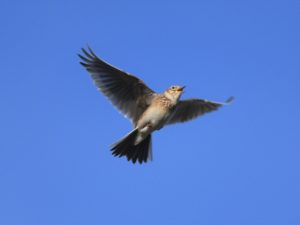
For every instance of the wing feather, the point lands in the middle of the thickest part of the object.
(128, 93)
(192, 108)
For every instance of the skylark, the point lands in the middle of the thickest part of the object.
(149, 111)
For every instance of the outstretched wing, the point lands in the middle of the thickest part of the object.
(128, 93)
(192, 108)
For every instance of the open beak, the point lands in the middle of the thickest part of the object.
(181, 89)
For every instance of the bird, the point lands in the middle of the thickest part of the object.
(148, 110)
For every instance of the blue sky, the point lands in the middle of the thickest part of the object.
(239, 165)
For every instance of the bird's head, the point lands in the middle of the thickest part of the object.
(174, 92)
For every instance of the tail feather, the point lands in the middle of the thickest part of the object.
(125, 147)
(144, 156)
(119, 148)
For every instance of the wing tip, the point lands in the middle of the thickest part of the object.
(87, 56)
(88, 52)
(230, 100)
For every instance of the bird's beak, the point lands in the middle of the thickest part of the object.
(181, 89)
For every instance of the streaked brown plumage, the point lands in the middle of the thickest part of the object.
(148, 111)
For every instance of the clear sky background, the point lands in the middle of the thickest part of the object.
(239, 165)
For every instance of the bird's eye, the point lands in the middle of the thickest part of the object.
(173, 87)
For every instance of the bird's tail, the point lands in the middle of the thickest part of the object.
(140, 152)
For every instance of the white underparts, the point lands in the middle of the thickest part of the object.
(143, 133)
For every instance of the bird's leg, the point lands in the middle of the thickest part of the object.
(149, 126)
(143, 133)
(146, 130)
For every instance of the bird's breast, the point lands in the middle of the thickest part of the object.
(154, 116)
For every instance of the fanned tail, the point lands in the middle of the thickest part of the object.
(140, 152)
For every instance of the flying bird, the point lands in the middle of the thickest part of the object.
(149, 111)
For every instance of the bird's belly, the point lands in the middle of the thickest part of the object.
(155, 117)
(152, 119)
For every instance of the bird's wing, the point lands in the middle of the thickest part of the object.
(128, 93)
(192, 108)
